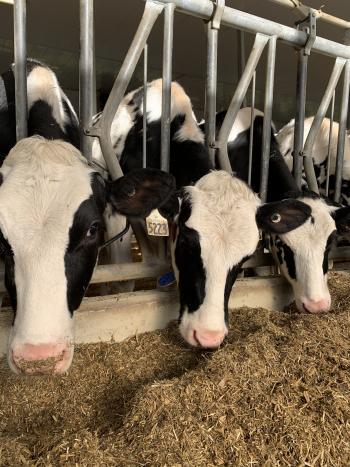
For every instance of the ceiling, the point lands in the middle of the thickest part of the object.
(53, 36)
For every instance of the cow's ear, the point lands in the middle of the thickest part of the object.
(342, 220)
(282, 216)
(141, 191)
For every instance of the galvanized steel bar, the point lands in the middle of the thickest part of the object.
(316, 124)
(300, 116)
(210, 92)
(20, 68)
(265, 155)
(329, 144)
(151, 13)
(254, 24)
(251, 134)
(86, 73)
(241, 58)
(144, 109)
(342, 132)
(237, 99)
(129, 271)
(297, 7)
(166, 86)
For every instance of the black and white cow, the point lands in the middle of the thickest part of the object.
(50, 113)
(52, 206)
(285, 138)
(302, 254)
(215, 217)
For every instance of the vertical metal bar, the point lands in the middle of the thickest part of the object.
(265, 154)
(211, 85)
(342, 132)
(251, 134)
(300, 116)
(329, 144)
(86, 73)
(237, 99)
(166, 86)
(241, 58)
(20, 68)
(316, 124)
(144, 110)
(151, 13)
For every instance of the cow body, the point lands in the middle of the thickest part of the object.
(50, 113)
(285, 138)
(302, 254)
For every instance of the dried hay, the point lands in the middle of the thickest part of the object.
(276, 394)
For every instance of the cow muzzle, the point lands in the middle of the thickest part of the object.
(39, 359)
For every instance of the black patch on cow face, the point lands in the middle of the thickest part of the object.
(6, 255)
(189, 262)
(289, 259)
(85, 237)
(230, 280)
(285, 254)
(331, 239)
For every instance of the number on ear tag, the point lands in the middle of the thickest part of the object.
(157, 225)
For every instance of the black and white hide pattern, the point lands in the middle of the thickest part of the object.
(50, 113)
(189, 158)
(285, 138)
(51, 226)
(216, 228)
(302, 253)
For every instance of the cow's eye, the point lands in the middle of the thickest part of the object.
(93, 229)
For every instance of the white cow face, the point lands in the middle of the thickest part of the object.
(51, 223)
(303, 253)
(217, 229)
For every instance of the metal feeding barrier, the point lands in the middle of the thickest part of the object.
(216, 14)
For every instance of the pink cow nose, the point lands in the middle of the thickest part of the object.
(42, 359)
(209, 339)
(317, 306)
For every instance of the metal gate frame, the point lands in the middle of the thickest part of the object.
(267, 33)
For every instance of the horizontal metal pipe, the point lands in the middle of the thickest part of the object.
(316, 124)
(302, 10)
(253, 24)
(128, 271)
(237, 99)
(342, 133)
(151, 13)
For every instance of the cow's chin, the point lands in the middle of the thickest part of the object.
(40, 359)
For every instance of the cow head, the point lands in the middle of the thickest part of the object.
(303, 253)
(216, 228)
(51, 228)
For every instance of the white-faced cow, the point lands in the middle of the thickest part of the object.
(52, 206)
(215, 222)
(302, 254)
(285, 138)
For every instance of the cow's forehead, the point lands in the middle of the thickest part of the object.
(41, 196)
(223, 211)
(316, 230)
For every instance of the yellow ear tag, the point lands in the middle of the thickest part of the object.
(157, 225)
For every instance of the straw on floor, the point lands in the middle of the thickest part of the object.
(276, 394)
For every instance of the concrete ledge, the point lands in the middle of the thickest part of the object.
(121, 316)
